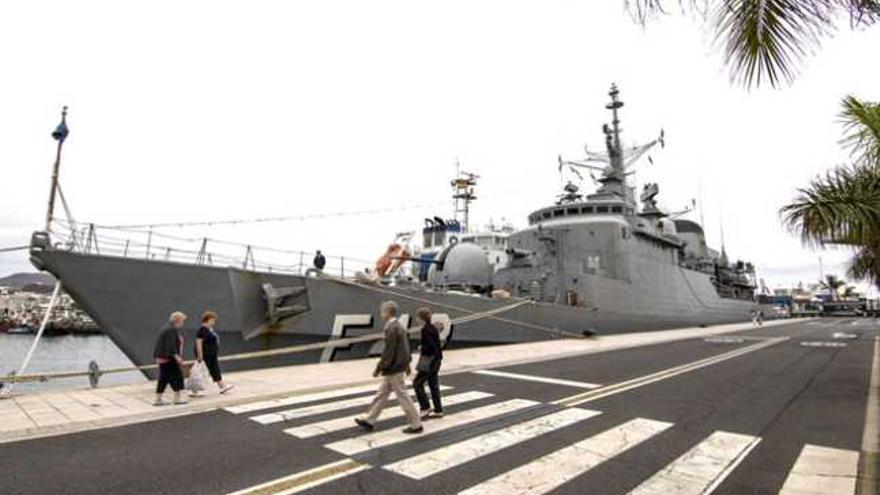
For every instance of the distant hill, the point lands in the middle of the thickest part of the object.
(21, 280)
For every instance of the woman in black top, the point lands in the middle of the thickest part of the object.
(431, 355)
(208, 349)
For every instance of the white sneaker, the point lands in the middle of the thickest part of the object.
(196, 393)
(159, 402)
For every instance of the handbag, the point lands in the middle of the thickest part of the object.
(424, 364)
(196, 380)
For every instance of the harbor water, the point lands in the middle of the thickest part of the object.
(64, 353)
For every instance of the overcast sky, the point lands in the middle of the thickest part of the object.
(213, 110)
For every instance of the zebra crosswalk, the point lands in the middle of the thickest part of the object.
(482, 427)
(338, 424)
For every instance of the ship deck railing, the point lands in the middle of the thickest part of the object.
(92, 239)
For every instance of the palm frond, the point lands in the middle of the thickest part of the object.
(865, 264)
(861, 124)
(765, 40)
(842, 207)
(645, 10)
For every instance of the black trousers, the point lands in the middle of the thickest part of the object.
(213, 366)
(429, 376)
(169, 374)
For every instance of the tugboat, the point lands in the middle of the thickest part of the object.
(599, 263)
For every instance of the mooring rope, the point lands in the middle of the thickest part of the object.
(13, 248)
(341, 342)
(428, 302)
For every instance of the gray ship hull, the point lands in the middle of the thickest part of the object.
(131, 298)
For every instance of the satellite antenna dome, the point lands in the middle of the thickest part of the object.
(464, 265)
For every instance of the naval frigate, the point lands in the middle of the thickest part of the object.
(601, 263)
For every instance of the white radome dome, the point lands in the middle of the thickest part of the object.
(464, 265)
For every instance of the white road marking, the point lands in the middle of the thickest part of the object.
(304, 480)
(844, 335)
(299, 399)
(338, 424)
(644, 380)
(822, 470)
(871, 433)
(822, 344)
(302, 412)
(435, 461)
(554, 469)
(701, 469)
(724, 340)
(385, 438)
(541, 379)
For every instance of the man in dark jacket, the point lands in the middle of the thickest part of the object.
(169, 356)
(430, 358)
(320, 261)
(393, 366)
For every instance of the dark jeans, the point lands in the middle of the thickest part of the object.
(169, 374)
(429, 376)
(213, 366)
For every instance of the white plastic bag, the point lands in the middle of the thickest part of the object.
(197, 378)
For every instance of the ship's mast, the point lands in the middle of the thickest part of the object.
(614, 151)
(614, 179)
(59, 134)
(463, 194)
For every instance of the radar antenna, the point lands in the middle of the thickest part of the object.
(615, 163)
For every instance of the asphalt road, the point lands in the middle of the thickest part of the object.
(729, 415)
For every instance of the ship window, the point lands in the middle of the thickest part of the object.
(558, 213)
(616, 209)
(601, 209)
(587, 209)
(572, 211)
(546, 214)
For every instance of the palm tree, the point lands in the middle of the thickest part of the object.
(832, 284)
(850, 292)
(843, 206)
(764, 40)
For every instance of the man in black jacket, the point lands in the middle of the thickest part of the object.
(428, 367)
(393, 366)
(320, 261)
(169, 356)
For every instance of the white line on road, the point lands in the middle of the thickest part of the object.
(304, 480)
(870, 459)
(541, 379)
(641, 381)
(385, 438)
(701, 469)
(435, 461)
(344, 423)
(819, 343)
(554, 469)
(300, 399)
(302, 412)
(822, 470)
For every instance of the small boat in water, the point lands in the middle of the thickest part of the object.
(20, 331)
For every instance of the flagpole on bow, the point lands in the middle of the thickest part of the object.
(59, 134)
